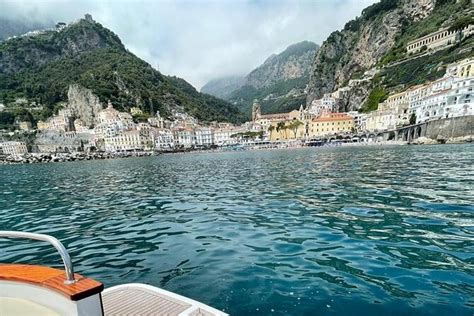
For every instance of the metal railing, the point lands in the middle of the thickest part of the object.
(53, 241)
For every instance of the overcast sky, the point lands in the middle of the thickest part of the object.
(205, 39)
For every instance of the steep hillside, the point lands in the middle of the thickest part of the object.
(292, 63)
(40, 68)
(278, 83)
(223, 87)
(378, 38)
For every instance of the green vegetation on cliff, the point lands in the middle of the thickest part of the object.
(41, 68)
(376, 96)
(450, 12)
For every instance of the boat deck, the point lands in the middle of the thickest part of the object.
(139, 300)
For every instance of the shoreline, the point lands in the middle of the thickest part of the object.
(34, 158)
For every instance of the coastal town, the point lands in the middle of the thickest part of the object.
(117, 132)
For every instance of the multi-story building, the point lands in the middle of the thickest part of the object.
(61, 122)
(441, 38)
(14, 148)
(163, 139)
(126, 141)
(461, 69)
(265, 120)
(399, 105)
(156, 121)
(226, 136)
(204, 136)
(384, 118)
(360, 120)
(329, 124)
(432, 107)
(427, 101)
(184, 137)
(327, 104)
(460, 99)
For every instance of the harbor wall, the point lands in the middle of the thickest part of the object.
(450, 128)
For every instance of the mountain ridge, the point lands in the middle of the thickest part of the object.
(279, 82)
(375, 40)
(40, 68)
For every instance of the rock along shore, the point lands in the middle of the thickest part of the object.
(63, 157)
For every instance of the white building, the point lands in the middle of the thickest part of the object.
(204, 136)
(460, 99)
(360, 120)
(432, 107)
(14, 148)
(223, 136)
(163, 139)
(184, 137)
(327, 104)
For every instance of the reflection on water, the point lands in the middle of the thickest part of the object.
(309, 231)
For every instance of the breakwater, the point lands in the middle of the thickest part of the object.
(63, 157)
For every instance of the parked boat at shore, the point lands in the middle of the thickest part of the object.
(40, 290)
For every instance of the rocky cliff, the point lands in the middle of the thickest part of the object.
(278, 83)
(42, 67)
(376, 41)
(83, 104)
(362, 43)
(292, 63)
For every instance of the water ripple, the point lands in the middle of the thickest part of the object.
(377, 230)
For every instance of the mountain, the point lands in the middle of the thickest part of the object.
(39, 69)
(15, 27)
(369, 58)
(223, 87)
(278, 83)
(290, 64)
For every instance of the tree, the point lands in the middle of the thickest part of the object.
(280, 126)
(413, 119)
(294, 125)
(271, 129)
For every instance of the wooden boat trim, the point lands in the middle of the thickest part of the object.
(53, 279)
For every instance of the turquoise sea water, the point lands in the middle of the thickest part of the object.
(343, 231)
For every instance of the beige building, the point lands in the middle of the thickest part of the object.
(329, 124)
(25, 126)
(461, 69)
(14, 148)
(441, 38)
(126, 141)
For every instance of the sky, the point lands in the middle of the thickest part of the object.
(200, 40)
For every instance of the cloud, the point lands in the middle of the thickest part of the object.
(201, 40)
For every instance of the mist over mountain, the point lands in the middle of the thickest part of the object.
(278, 83)
(14, 27)
(223, 87)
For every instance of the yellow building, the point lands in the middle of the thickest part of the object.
(332, 123)
(461, 69)
(42, 125)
